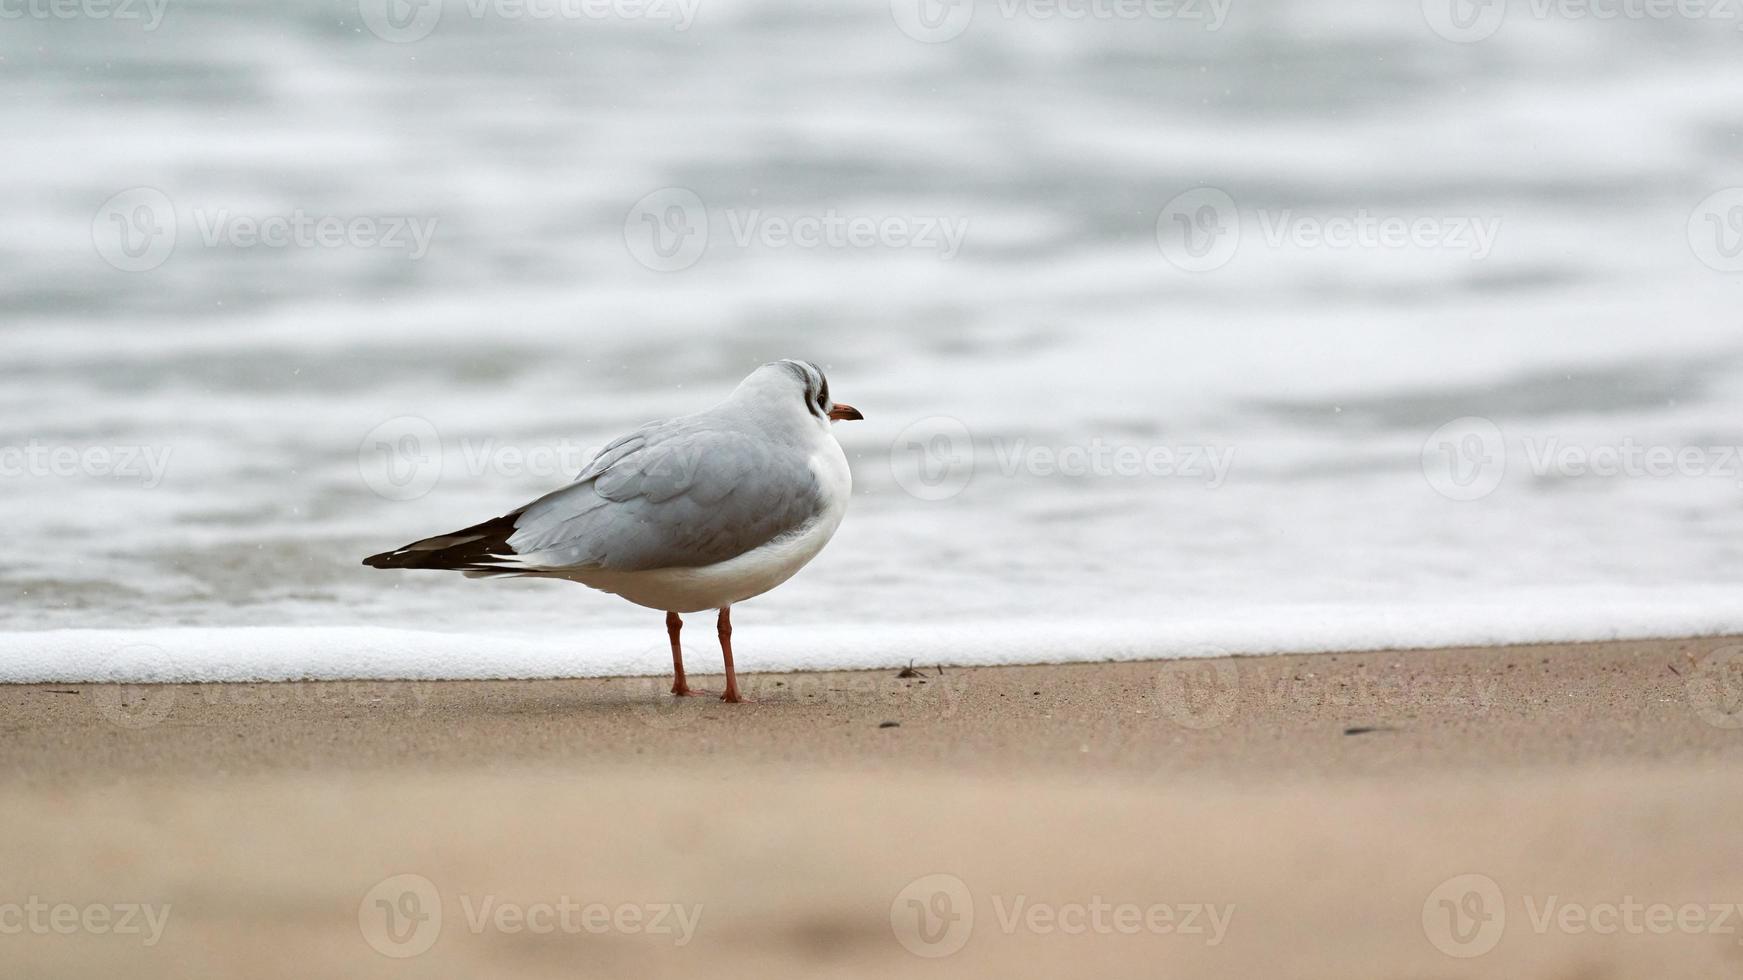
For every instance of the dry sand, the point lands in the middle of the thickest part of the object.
(1558, 812)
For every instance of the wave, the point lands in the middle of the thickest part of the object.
(332, 653)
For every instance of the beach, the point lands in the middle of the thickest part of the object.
(1292, 438)
(1555, 811)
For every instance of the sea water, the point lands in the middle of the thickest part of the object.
(1314, 326)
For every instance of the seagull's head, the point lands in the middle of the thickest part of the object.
(799, 388)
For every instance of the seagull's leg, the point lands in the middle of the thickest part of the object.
(726, 653)
(681, 689)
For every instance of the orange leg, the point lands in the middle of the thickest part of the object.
(681, 689)
(726, 653)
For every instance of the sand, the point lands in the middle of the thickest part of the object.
(1554, 811)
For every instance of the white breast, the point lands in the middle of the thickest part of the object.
(685, 590)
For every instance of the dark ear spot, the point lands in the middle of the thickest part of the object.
(816, 393)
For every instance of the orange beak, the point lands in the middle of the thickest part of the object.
(844, 413)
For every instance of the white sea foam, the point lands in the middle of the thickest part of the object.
(371, 653)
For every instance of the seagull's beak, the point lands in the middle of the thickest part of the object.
(844, 413)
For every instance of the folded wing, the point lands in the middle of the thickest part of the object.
(676, 494)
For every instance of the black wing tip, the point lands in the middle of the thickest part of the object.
(399, 558)
(460, 550)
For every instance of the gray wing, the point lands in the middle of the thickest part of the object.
(679, 493)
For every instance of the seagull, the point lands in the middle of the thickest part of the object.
(684, 514)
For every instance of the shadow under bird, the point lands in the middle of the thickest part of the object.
(684, 514)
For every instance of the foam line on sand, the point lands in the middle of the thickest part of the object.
(378, 653)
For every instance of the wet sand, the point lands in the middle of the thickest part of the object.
(1549, 811)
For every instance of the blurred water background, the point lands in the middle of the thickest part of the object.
(312, 401)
